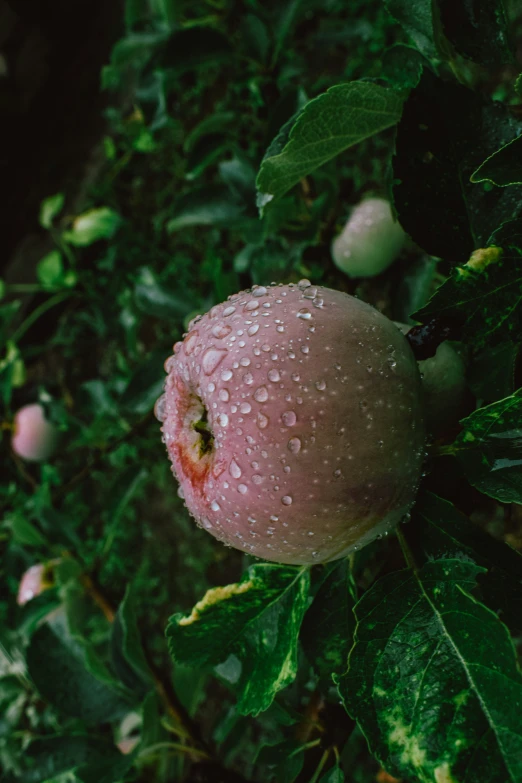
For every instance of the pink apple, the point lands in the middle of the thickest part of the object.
(370, 241)
(35, 580)
(34, 437)
(292, 417)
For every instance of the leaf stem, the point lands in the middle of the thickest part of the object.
(406, 551)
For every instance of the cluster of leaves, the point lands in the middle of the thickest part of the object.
(299, 107)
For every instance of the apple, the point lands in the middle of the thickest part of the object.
(444, 383)
(444, 387)
(370, 241)
(35, 580)
(34, 437)
(292, 416)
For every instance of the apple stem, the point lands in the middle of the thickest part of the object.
(424, 339)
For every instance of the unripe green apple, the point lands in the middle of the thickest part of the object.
(370, 241)
(292, 415)
(444, 387)
(34, 437)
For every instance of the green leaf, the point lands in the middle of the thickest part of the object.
(50, 208)
(25, 533)
(122, 493)
(326, 126)
(255, 38)
(50, 269)
(250, 628)
(61, 667)
(433, 679)
(402, 66)
(478, 30)
(484, 295)
(328, 626)
(91, 226)
(414, 288)
(155, 299)
(93, 759)
(445, 214)
(335, 775)
(419, 20)
(502, 168)
(287, 18)
(283, 761)
(212, 205)
(128, 658)
(491, 374)
(146, 384)
(207, 151)
(439, 530)
(193, 47)
(489, 449)
(218, 123)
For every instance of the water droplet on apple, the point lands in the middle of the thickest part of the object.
(274, 376)
(289, 418)
(212, 358)
(160, 408)
(262, 421)
(261, 394)
(259, 290)
(190, 342)
(294, 445)
(286, 500)
(228, 311)
(252, 330)
(222, 420)
(215, 506)
(221, 330)
(304, 283)
(320, 385)
(224, 395)
(226, 375)
(251, 305)
(242, 489)
(248, 379)
(304, 313)
(169, 363)
(245, 407)
(235, 470)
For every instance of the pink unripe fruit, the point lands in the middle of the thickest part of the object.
(370, 241)
(36, 579)
(34, 437)
(292, 417)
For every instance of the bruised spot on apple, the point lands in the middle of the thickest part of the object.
(292, 416)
